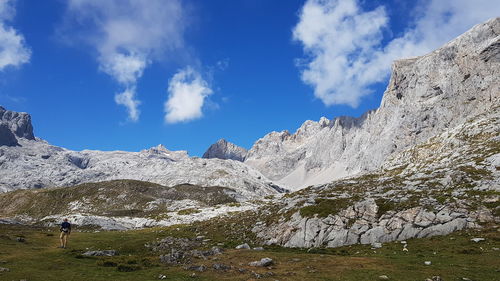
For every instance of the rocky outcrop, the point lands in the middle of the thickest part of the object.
(223, 149)
(361, 224)
(18, 122)
(7, 138)
(426, 96)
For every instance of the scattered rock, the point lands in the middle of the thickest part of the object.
(4, 269)
(220, 266)
(383, 277)
(258, 249)
(205, 254)
(466, 279)
(243, 246)
(162, 277)
(477, 239)
(172, 258)
(21, 239)
(376, 245)
(107, 253)
(256, 275)
(199, 268)
(427, 262)
(263, 262)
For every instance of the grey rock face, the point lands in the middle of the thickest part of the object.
(223, 149)
(425, 96)
(7, 138)
(361, 226)
(18, 122)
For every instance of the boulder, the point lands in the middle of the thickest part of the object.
(263, 262)
(243, 246)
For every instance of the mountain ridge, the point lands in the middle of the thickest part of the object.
(425, 95)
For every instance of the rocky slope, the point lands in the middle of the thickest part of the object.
(36, 164)
(426, 96)
(120, 204)
(223, 149)
(448, 183)
(26, 162)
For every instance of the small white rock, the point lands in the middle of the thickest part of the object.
(427, 263)
(243, 246)
(477, 239)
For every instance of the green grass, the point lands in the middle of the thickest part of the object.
(453, 257)
(324, 207)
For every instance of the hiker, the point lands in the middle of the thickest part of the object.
(65, 232)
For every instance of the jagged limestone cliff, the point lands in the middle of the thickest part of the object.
(426, 96)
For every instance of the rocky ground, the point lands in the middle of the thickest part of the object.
(197, 253)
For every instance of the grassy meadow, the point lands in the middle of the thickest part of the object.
(452, 257)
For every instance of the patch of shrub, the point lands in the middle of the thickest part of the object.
(127, 267)
(107, 263)
(325, 207)
(188, 211)
(470, 251)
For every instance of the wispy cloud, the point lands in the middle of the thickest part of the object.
(127, 36)
(343, 42)
(187, 92)
(13, 49)
(127, 99)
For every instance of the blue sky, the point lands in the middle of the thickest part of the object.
(128, 75)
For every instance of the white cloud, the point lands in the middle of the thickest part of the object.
(127, 99)
(344, 43)
(186, 95)
(13, 49)
(126, 69)
(127, 36)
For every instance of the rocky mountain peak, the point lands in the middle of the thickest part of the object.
(19, 124)
(223, 149)
(426, 95)
(162, 150)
